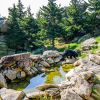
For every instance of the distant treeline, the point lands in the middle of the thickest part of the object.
(52, 21)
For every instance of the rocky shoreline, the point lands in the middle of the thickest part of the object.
(19, 66)
(82, 82)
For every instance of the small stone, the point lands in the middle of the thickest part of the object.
(45, 64)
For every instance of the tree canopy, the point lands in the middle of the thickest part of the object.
(52, 21)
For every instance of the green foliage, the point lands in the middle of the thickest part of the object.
(52, 21)
(15, 37)
(98, 39)
(22, 29)
(50, 16)
(73, 46)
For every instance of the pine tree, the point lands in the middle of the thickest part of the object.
(94, 10)
(31, 28)
(51, 16)
(15, 38)
(20, 10)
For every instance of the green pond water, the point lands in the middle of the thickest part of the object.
(55, 76)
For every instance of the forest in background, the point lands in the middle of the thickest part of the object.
(52, 22)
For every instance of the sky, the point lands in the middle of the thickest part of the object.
(34, 4)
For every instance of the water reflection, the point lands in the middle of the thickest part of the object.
(50, 78)
(35, 81)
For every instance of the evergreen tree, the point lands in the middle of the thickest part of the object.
(51, 16)
(75, 19)
(94, 11)
(15, 37)
(20, 10)
(31, 28)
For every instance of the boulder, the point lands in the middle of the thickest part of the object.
(51, 53)
(57, 59)
(27, 70)
(88, 44)
(50, 60)
(70, 95)
(15, 57)
(95, 58)
(2, 81)
(9, 94)
(82, 88)
(45, 64)
(11, 74)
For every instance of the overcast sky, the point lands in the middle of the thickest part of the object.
(34, 4)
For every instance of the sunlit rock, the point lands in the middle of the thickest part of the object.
(95, 58)
(51, 53)
(9, 94)
(88, 44)
(70, 95)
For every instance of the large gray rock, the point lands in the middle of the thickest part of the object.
(81, 79)
(11, 74)
(95, 58)
(2, 81)
(82, 88)
(70, 95)
(51, 53)
(15, 57)
(57, 59)
(45, 64)
(9, 94)
(88, 44)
